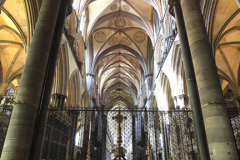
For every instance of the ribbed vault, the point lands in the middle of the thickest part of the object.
(120, 39)
(15, 32)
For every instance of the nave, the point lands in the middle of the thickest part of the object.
(119, 79)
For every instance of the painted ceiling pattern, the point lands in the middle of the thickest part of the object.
(120, 34)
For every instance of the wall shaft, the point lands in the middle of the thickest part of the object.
(191, 83)
(217, 124)
(21, 127)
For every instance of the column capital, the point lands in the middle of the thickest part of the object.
(172, 3)
(149, 81)
(69, 6)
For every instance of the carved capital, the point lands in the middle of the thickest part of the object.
(68, 4)
(149, 81)
(172, 3)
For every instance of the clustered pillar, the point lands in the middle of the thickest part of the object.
(191, 81)
(219, 134)
(104, 133)
(209, 110)
(133, 136)
(22, 126)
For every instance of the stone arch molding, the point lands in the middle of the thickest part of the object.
(73, 90)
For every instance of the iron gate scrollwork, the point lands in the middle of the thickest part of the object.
(59, 140)
(183, 144)
(71, 134)
(154, 135)
(5, 115)
(84, 133)
(116, 134)
(234, 116)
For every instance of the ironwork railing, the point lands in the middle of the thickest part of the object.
(234, 116)
(174, 135)
(170, 133)
(183, 143)
(5, 115)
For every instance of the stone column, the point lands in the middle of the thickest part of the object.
(104, 133)
(74, 115)
(149, 81)
(133, 137)
(137, 130)
(49, 78)
(162, 121)
(191, 82)
(217, 124)
(21, 127)
(1, 98)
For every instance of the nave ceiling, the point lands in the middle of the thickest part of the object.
(120, 39)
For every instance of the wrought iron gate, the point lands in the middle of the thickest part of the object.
(234, 116)
(84, 133)
(183, 143)
(59, 140)
(68, 133)
(5, 115)
(124, 134)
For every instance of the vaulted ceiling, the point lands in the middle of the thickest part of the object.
(224, 33)
(14, 39)
(120, 39)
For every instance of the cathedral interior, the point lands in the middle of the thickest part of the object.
(119, 80)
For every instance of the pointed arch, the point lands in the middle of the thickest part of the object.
(105, 52)
(73, 94)
(130, 90)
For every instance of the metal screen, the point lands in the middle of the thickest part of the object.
(234, 116)
(84, 133)
(5, 115)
